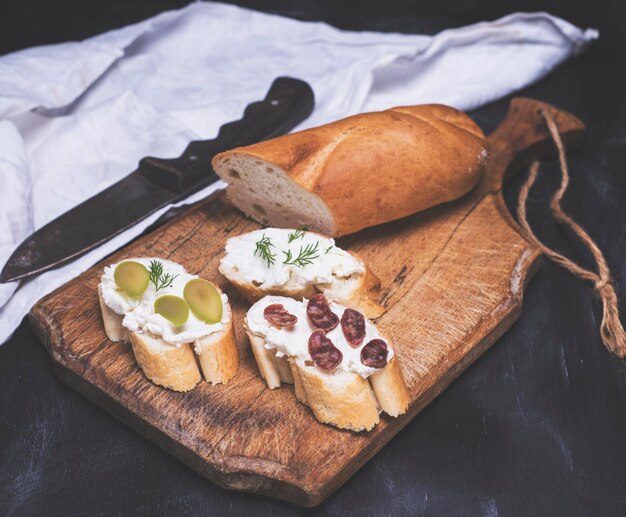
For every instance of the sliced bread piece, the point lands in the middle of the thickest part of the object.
(274, 370)
(166, 365)
(265, 262)
(217, 352)
(340, 398)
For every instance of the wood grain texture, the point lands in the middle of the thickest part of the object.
(452, 281)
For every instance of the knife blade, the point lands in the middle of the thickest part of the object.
(156, 183)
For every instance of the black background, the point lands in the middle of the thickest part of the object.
(536, 427)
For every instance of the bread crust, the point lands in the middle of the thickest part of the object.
(342, 399)
(166, 365)
(299, 389)
(363, 297)
(376, 167)
(218, 355)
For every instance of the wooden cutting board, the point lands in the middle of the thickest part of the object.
(452, 281)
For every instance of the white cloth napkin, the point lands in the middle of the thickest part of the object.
(76, 117)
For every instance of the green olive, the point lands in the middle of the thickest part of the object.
(204, 300)
(132, 278)
(173, 308)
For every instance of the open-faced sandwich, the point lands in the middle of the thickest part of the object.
(298, 264)
(167, 314)
(340, 364)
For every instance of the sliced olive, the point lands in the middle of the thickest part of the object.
(204, 300)
(131, 277)
(173, 308)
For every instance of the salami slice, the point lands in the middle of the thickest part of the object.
(278, 316)
(324, 353)
(374, 354)
(318, 311)
(353, 326)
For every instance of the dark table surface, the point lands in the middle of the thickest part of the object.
(536, 426)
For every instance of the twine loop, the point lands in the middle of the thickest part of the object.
(611, 329)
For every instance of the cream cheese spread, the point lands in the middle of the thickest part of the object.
(139, 315)
(294, 341)
(330, 261)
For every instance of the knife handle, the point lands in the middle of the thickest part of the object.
(287, 103)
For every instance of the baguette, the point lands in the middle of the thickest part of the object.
(342, 276)
(171, 365)
(357, 172)
(350, 395)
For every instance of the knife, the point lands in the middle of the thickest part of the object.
(156, 183)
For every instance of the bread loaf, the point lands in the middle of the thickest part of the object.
(357, 172)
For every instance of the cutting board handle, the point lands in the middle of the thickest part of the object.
(523, 137)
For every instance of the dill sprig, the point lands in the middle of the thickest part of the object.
(160, 280)
(305, 256)
(297, 234)
(263, 250)
(328, 249)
